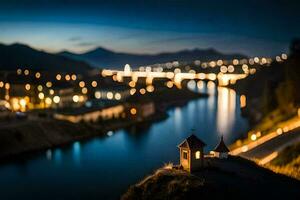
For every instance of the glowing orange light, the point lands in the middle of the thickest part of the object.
(243, 101)
(27, 86)
(67, 77)
(133, 111)
(37, 75)
(142, 91)
(94, 83)
(81, 84)
(58, 77)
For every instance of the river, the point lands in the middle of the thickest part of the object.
(103, 168)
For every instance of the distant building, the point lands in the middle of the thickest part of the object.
(91, 114)
(106, 89)
(65, 91)
(140, 110)
(18, 97)
(191, 153)
(221, 150)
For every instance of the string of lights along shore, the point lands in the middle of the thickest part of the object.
(40, 89)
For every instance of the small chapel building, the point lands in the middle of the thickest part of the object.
(191, 153)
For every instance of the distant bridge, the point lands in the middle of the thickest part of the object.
(222, 78)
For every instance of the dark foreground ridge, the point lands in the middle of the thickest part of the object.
(234, 178)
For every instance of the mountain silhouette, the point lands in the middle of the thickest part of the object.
(104, 58)
(17, 55)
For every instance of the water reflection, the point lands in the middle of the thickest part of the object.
(110, 133)
(225, 109)
(191, 84)
(211, 89)
(191, 110)
(57, 156)
(49, 154)
(200, 85)
(177, 118)
(76, 153)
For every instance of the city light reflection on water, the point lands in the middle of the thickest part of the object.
(49, 154)
(57, 156)
(76, 153)
(226, 109)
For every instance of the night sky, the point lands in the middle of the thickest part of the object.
(249, 27)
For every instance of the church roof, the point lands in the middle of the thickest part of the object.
(221, 147)
(192, 142)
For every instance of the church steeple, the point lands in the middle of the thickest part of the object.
(221, 149)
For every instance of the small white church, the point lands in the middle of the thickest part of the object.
(192, 153)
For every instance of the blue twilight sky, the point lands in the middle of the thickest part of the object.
(253, 27)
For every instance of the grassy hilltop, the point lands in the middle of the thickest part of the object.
(232, 178)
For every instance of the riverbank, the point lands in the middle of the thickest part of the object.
(19, 137)
(25, 137)
(230, 178)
